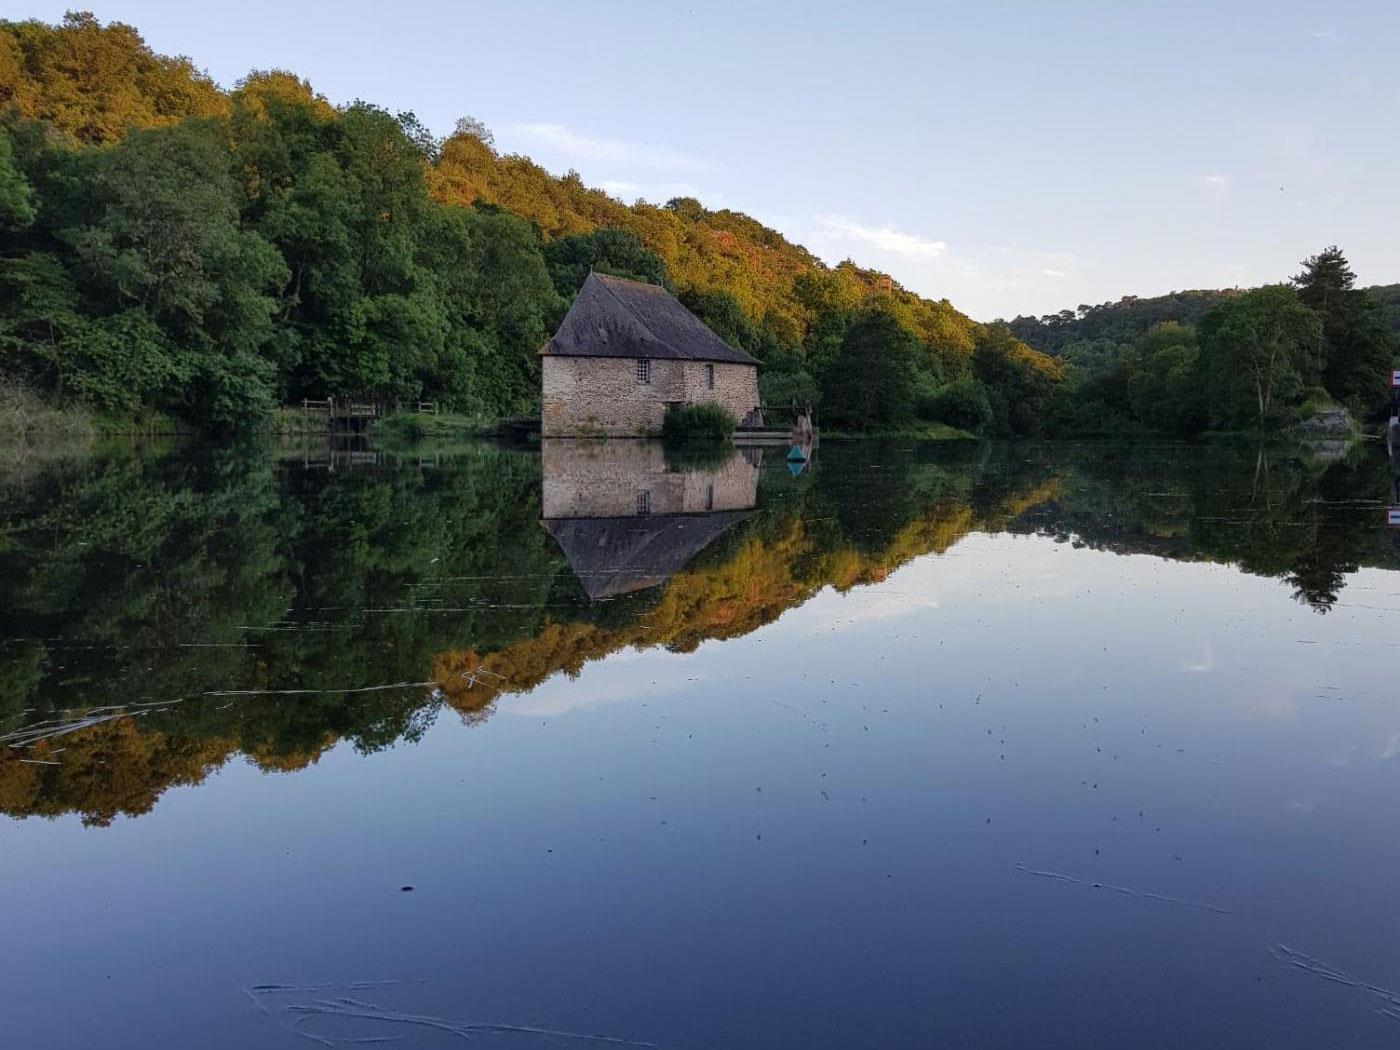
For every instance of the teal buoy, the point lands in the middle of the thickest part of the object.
(795, 454)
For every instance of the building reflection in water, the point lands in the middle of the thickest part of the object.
(627, 520)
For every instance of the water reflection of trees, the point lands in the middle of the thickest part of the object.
(147, 578)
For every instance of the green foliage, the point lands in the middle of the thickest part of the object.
(785, 383)
(1165, 388)
(16, 195)
(963, 404)
(1386, 297)
(93, 82)
(1256, 359)
(1019, 382)
(870, 383)
(1259, 351)
(208, 255)
(1119, 323)
(726, 318)
(1356, 347)
(703, 423)
(609, 250)
(157, 277)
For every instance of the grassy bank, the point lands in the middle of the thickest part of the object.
(28, 419)
(404, 427)
(918, 432)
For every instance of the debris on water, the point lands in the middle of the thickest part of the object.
(318, 692)
(331, 1001)
(1302, 961)
(1146, 894)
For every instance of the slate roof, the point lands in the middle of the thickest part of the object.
(613, 317)
(614, 556)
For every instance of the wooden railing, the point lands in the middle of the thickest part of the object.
(345, 409)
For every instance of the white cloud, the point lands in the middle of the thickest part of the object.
(971, 279)
(885, 238)
(1205, 664)
(1214, 188)
(621, 677)
(1330, 33)
(582, 146)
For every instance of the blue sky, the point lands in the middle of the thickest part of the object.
(1012, 157)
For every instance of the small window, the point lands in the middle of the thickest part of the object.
(710, 376)
(710, 496)
(644, 502)
(644, 370)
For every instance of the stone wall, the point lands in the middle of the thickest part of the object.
(600, 396)
(620, 479)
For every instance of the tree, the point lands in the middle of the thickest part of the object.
(94, 83)
(476, 129)
(963, 404)
(870, 384)
(1326, 277)
(1019, 381)
(1260, 350)
(1164, 387)
(16, 195)
(1354, 346)
(724, 316)
(610, 250)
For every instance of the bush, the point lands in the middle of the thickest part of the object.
(697, 423)
(963, 404)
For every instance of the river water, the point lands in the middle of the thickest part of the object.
(584, 745)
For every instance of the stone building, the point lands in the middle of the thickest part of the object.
(624, 352)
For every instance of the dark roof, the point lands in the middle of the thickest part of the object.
(612, 317)
(613, 556)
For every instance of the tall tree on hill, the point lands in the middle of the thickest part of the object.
(1353, 342)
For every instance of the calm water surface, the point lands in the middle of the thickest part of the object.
(963, 746)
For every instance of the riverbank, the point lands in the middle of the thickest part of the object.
(921, 432)
(27, 419)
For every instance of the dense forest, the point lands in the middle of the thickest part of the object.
(312, 589)
(170, 246)
(174, 250)
(1228, 359)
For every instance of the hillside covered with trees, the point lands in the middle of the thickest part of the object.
(170, 246)
(1226, 360)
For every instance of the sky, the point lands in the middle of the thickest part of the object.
(1012, 157)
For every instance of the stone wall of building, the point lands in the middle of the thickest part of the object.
(601, 396)
(620, 479)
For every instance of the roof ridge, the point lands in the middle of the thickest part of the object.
(606, 277)
(632, 313)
